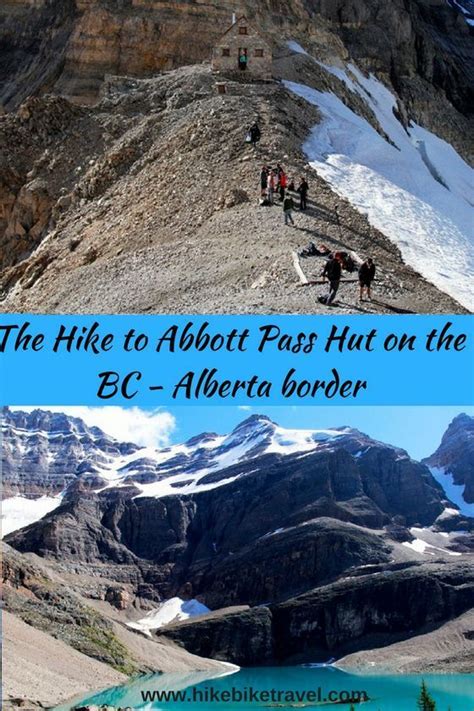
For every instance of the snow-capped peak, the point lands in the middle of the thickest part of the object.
(203, 462)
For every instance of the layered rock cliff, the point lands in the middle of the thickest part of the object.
(43, 452)
(70, 46)
(335, 619)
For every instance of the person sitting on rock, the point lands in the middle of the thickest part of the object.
(366, 277)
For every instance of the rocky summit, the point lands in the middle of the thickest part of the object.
(454, 458)
(264, 528)
(126, 184)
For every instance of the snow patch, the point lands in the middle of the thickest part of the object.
(296, 47)
(454, 492)
(422, 547)
(172, 610)
(262, 437)
(467, 14)
(285, 441)
(426, 540)
(413, 187)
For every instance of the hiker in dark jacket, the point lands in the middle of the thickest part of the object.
(332, 272)
(303, 188)
(366, 277)
(288, 207)
(263, 180)
(254, 133)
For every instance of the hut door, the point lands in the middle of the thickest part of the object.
(243, 58)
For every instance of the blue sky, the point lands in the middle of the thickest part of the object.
(416, 429)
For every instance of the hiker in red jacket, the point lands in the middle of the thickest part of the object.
(283, 184)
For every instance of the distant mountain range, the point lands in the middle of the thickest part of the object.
(258, 517)
(44, 453)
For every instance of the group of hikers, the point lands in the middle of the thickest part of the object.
(333, 271)
(275, 182)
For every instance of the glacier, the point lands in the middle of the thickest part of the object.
(412, 185)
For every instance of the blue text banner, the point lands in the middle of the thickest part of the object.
(241, 360)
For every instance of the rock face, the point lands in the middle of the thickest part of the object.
(70, 46)
(348, 614)
(43, 452)
(217, 535)
(335, 619)
(455, 455)
(244, 637)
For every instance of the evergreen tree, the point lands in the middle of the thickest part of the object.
(425, 700)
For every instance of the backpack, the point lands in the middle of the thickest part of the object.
(349, 264)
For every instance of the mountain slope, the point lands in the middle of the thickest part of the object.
(413, 186)
(58, 643)
(453, 462)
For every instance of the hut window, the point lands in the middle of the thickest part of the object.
(226, 52)
(259, 52)
(242, 30)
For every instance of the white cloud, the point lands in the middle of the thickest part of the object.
(245, 408)
(149, 428)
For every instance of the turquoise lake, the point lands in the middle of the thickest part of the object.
(386, 693)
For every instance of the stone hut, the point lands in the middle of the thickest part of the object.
(242, 50)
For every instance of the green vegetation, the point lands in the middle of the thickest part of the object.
(53, 608)
(103, 644)
(425, 700)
